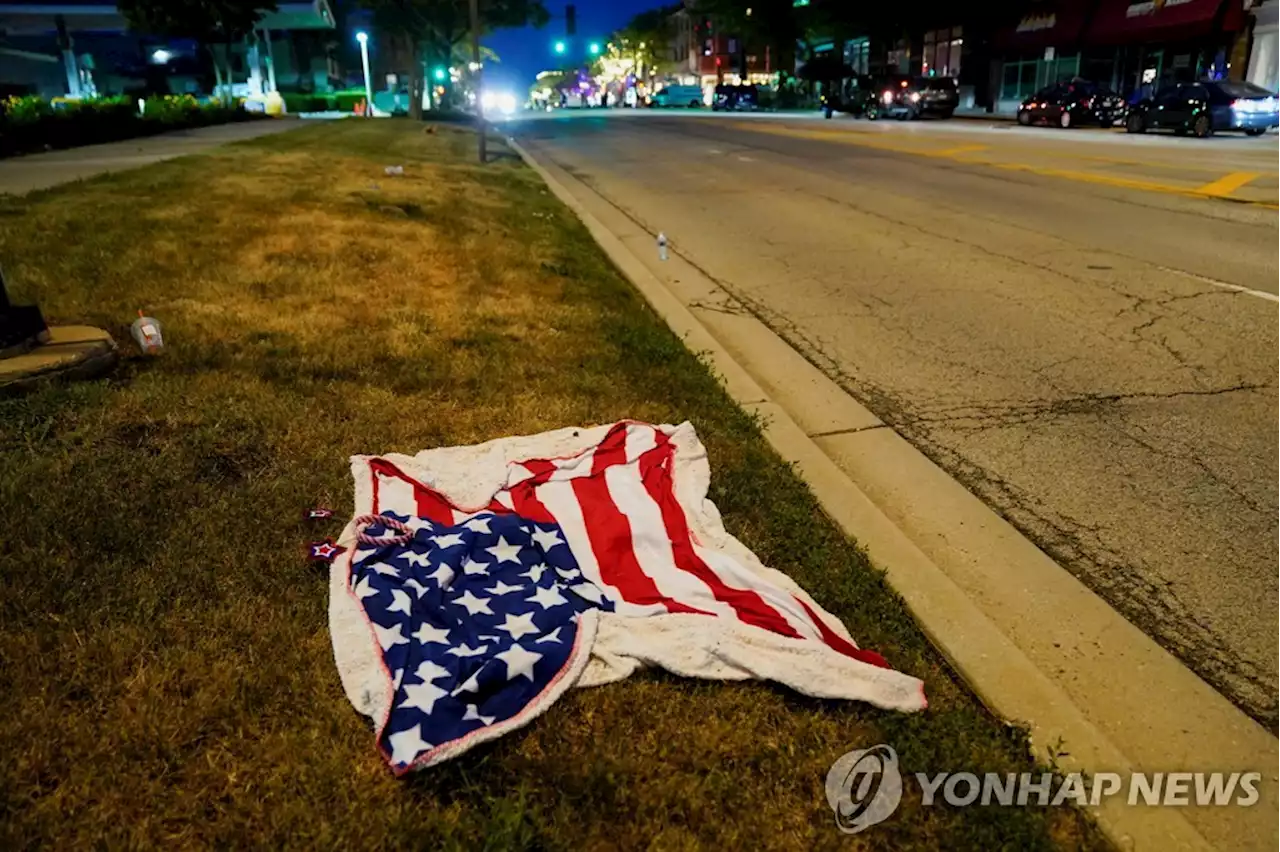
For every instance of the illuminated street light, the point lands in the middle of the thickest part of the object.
(363, 38)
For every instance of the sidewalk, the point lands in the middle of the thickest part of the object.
(20, 175)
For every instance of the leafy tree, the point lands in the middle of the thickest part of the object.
(435, 31)
(210, 23)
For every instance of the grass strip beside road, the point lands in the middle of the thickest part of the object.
(164, 649)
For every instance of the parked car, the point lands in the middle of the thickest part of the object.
(677, 96)
(912, 97)
(1069, 104)
(1206, 107)
(729, 98)
(858, 96)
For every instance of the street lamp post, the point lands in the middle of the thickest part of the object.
(363, 38)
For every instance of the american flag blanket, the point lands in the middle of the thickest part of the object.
(524, 566)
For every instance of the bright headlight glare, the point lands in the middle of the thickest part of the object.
(915, 97)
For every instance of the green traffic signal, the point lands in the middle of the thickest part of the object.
(560, 47)
(594, 47)
(440, 73)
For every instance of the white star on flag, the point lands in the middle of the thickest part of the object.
(535, 572)
(548, 596)
(519, 625)
(478, 525)
(546, 539)
(474, 604)
(418, 560)
(473, 567)
(423, 696)
(446, 541)
(443, 575)
(570, 574)
(364, 590)
(504, 552)
(502, 589)
(471, 684)
(465, 650)
(386, 569)
(388, 636)
(406, 745)
(427, 634)
(400, 602)
(429, 670)
(519, 660)
(418, 588)
(553, 636)
(473, 713)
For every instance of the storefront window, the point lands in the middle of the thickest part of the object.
(1022, 78)
(942, 50)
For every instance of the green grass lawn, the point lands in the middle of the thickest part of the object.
(164, 652)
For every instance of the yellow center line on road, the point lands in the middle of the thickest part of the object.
(1227, 184)
(1220, 188)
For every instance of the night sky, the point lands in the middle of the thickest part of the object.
(527, 51)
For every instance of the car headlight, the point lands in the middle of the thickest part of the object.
(915, 97)
(887, 97)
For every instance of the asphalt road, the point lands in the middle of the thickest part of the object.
(1081, 326)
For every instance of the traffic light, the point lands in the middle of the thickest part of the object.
(594, 48)
(570, 19)
(560, 47)
(439, 74)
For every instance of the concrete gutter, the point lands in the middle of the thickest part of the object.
(1032, 642)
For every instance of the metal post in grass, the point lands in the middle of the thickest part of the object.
(21, 326)
(479, 72)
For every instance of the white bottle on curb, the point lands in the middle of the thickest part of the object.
(146, 330)
(662, 246)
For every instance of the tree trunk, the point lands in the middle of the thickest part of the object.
(217, 72)
(417, 82)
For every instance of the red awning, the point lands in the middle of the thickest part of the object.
(1121, 21)
(1052, 24)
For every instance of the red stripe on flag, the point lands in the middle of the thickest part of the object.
(750, 608)
(431, 505)
(610, 533)
(839, 643)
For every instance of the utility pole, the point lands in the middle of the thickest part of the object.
(479, 78)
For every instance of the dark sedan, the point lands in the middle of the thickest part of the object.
(1206, 107)
(1073, 103)
(913, 97)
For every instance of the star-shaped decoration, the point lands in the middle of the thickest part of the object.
(443, 575)
(400, 602)
(422, 696)
(502, 588)
(553, 636)
(386, 569)
(426, 634)
(465, 650)
(473, 714)
(419, 560)
(319, 514)
(568, 573)
(535, 572)
(324, 551)
(548, 596)
(471, 684)
(478, 525)
(364, 590)
(407, 745)
(418, 588)
(429, 670)
(395, 681)
(519, 625)
(587, 591)
(546, 539)
(519, 660)
(446, 541)
(389, 636)
(504, 552)
(473, 567)
(415, 524)
(475, 605)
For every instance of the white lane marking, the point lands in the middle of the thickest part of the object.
(745, 159)
(715, 151)
(1271, 297)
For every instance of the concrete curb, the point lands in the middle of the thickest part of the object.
(1001, 672)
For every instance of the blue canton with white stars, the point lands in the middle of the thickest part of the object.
(474, 622)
